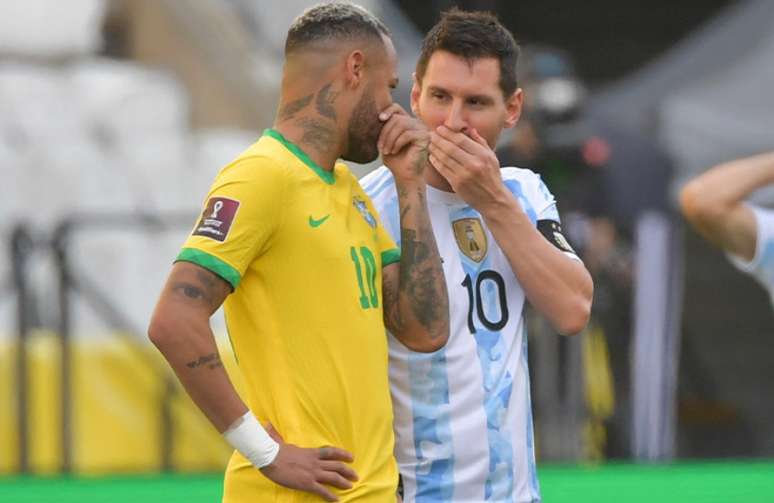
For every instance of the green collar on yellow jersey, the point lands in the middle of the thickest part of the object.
(327, 176)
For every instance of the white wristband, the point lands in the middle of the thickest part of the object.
(248, 437)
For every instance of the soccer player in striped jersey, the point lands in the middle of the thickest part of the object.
(714, 203)
(463, 419)
(310, 277)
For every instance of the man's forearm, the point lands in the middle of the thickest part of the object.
(190, 349)
(713, 202)
(422, 313)
(732, 182)
(559, 287)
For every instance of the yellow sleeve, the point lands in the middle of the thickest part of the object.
(388, 250)
(241, 212)
(387, 247)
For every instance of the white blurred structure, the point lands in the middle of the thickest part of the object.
(80, 133)
(709, 99)
(50, 28)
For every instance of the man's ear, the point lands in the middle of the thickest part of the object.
(416, 90)
(513, 108)
(354, 67)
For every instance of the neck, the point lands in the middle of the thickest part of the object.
(310, 120)
(318, 139)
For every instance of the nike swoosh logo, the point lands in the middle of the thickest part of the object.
(317, 223)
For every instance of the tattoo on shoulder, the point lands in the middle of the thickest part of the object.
(324, 101)
(211, 361)
(194, 292)
(202, 286)
(290, 109)
(206, 278)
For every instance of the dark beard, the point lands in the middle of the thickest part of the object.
(363, 131)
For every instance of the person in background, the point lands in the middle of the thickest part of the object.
(714, 204)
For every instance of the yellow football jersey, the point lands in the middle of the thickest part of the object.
(304, 250)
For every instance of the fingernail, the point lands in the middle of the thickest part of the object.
(383, 116)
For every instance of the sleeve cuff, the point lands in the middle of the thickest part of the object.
(211, 263)
(390, 257)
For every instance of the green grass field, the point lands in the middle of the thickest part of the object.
(726, 482)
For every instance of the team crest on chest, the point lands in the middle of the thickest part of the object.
(471, 238)
(363, 209)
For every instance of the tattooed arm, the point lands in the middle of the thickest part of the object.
(180, 329)
(416, 304)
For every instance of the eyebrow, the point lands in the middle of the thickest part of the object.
(480, 97)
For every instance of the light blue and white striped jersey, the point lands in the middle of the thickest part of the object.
(463, 417)
(761, 267)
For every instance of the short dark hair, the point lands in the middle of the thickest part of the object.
(333, 21)
(472, 36)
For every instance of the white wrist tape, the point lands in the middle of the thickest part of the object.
(248, 437)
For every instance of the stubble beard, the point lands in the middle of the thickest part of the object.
(363, 131)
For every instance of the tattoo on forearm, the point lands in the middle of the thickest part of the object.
(211, 361)
(324, 101)
(290, 109)
(421, 274)
(421, 284)
(422, 160)
(418, 278)
(392, 318)
(317, 134)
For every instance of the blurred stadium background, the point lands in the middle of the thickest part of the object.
(116, 115)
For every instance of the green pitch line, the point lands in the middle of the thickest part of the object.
(716, 482)
(120, 489)
(727, 482)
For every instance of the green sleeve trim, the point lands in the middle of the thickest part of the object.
(211, 263)
(390, 257)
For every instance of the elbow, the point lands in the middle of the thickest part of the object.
(577, 314)
(696, 204)
(156, 332)
(575, 321)
(160, 332)
(427, 341)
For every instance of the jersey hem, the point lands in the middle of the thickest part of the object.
(211, 263)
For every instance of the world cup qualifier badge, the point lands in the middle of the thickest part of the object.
(217, 218)
(363, 209)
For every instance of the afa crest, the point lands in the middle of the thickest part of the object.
(363, 209)
(471, 238)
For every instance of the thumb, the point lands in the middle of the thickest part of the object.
(274, 434)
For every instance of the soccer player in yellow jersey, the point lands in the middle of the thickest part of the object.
(309, 277)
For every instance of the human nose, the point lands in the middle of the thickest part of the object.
(455, 118)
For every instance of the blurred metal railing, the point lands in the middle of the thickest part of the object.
(21, 246)
(75, 282)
